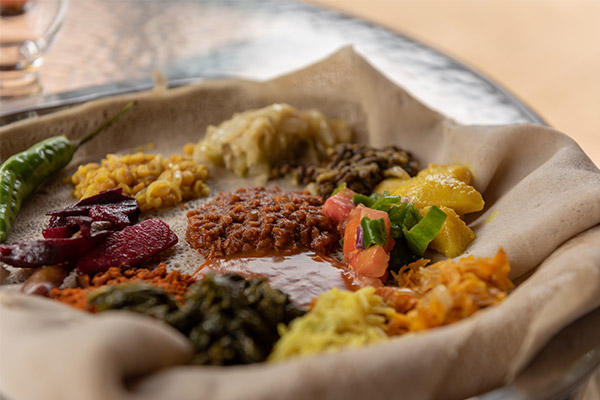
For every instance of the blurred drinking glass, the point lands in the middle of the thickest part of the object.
(27, 30)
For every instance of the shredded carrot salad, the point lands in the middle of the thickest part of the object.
(447, 291)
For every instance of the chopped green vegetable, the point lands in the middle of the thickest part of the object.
(232, 320)
(411, 217)
(377, 196)
(396, 215)
(420, 235)
(362, 199)
(373, 231)
(134, 296)
(228, 319)
(385, 203)
(403, 216)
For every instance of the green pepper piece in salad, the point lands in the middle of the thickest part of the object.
(374, 231)
(421, 234)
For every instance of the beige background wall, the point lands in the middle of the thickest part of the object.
(546, 52)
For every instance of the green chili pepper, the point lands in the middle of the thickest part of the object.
(23, 172)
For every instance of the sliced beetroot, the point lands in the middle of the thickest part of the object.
(65, 227)
(84, 223)
(37, 253)
(56, 221)
(128, 207)
(109, 205)
(129, 247)
(83, 206)
(59, 232)
(104, 197)
(117, 216)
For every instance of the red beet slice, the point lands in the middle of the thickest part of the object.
(108, 205)
(59, 232)
(104, 197)
(117, 216)
(65, 227)
(36, 253)
(129, 247)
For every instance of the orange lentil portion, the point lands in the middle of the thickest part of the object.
(174, 283)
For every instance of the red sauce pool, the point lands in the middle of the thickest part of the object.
(303, 276)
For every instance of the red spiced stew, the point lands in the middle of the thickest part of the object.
(258, 218)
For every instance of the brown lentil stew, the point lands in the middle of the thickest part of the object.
(260, 219)
(360, 167)
(174, 283)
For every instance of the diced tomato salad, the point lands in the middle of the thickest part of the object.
(338, 207)
(372, 262)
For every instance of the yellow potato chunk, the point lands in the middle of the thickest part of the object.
(457, 171)
(440, 190)
(454, 237)
(437, 184)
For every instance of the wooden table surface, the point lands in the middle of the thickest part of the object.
(546, 52)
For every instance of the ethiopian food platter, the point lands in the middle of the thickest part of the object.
(319, 235)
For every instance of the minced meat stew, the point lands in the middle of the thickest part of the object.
(258, 218)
